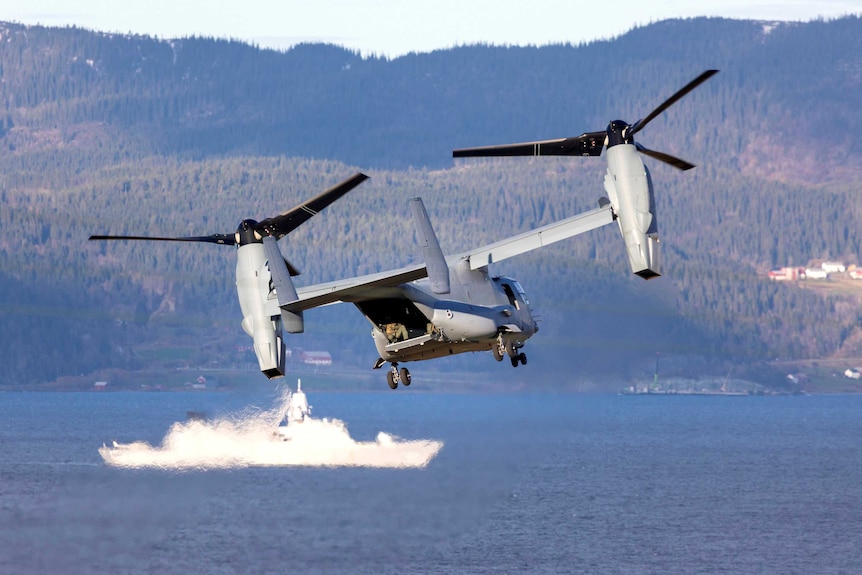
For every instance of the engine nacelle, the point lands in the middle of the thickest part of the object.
(262, 318)
(268, 343)
(629, 188)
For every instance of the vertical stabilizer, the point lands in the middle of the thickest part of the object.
(435, 262)
(284, 289)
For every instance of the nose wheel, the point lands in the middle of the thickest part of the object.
(515, 356)
(395, 376)
(520, 358)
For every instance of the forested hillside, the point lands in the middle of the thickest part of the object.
(115, 134)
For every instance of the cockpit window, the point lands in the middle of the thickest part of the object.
(511, 295)
(521, 292)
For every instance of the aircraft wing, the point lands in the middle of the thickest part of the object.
(534, 239)
(379, 285)
(354, 289)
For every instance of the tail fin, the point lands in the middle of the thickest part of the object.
(435, 262)
(284, 289)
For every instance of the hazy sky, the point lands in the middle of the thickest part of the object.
(396, 27)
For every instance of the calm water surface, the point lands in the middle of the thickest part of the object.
(524, 484)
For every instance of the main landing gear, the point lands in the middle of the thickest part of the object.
(510, 349)
(499, 348)
(395, 376)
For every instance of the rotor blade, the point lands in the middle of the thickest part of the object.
(588, 144)
(666, 158)
(223, 239)
(282, 224)
(214, 239)
(640, 124)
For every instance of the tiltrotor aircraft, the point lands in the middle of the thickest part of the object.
(448, 304)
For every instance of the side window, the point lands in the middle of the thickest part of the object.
(522, 293)
(511, 295)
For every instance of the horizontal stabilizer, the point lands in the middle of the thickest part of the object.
(354, 289)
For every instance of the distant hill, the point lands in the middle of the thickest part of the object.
(784, 87)
(111, 133)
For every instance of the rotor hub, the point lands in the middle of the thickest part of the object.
(246, 233)
(619, 132)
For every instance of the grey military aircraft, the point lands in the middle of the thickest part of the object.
(448, 304)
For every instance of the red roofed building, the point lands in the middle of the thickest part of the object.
(319, 358)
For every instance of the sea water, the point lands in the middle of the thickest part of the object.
(524, 483)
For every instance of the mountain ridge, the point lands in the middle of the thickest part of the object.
(140, 135)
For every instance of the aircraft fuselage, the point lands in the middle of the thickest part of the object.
(478, 314)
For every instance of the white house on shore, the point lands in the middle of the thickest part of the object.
(794, 273)
(833, 267)
(816, 274)
(318, 358)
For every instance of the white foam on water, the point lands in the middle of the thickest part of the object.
(252, 439)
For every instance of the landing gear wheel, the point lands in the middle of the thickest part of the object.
(514, 361)
(522, 357)
(390, 379)
(498, 350)
(405, 376)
